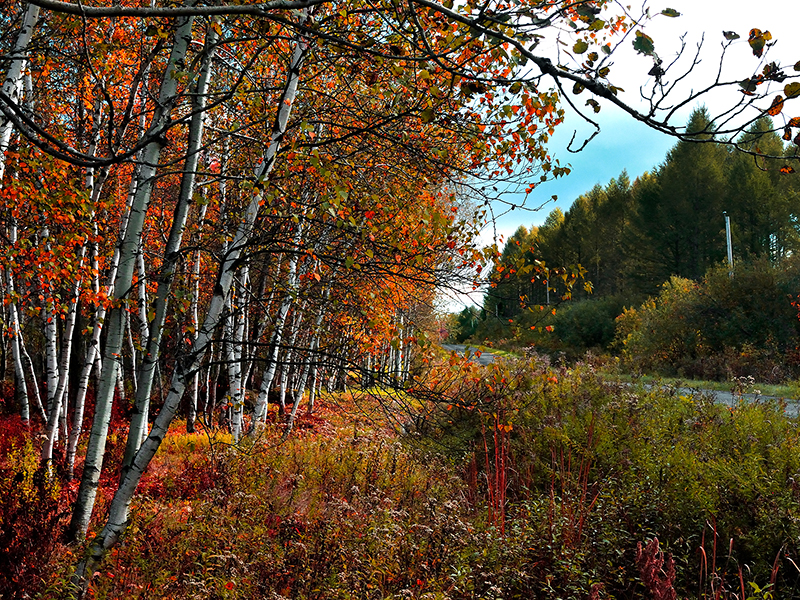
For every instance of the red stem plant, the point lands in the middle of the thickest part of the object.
(497, 464)
(577, 496)
(657, 578)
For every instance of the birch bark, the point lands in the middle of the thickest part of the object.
(118, 511)
(147, 370)
(115, 328)
(16, 337)
(12, 86)
(307, 361)
(260, 413)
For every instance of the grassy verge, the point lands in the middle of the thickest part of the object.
(519, 481)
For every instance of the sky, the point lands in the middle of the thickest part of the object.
(627, 144)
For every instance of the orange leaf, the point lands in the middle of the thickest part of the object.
(777, 106)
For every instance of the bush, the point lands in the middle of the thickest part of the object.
(586, 325)
(530, 482)
(721, 328)
(591, 469)
(30, 520)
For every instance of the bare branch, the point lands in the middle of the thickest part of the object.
(101, 12)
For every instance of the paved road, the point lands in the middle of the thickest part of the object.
(730, 399)
(484, 359)
(720, 397)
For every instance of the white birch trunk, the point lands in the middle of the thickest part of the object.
(12, 86)
(289, 356)
(234, 339)
(118, 511)
(147, 370)
(115, 327)
(141, 285)
(51, 355)
(261, 407)
(309, 358)
(58, 415)
(191, 416)
(93, 351)
(16, 336)
(28, 363)
(261, 324)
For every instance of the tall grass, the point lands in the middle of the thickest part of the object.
(520, 481)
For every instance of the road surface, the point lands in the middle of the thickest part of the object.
(730, 399)
(485, 358)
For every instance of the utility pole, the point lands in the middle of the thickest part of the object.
(730, 246)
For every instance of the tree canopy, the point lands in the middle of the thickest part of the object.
(212, 207)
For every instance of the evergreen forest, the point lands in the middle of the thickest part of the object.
(640, 268)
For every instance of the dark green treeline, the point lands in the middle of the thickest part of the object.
(632, 236)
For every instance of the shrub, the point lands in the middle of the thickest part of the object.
(721, 328)
(30, 520)
(593, 469)
(588, 324)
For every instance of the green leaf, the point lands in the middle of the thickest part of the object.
(606, 49)
(748, 85)
(792, 90)
(427, 115)
(580, 47)
(515, 87)
(797, 66)
(587, 11)
(643, 44)
(670, 12)
(730, 35)
(578, 88)
(597, 25)
(758, 40)
(594, 104)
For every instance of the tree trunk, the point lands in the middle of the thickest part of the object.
(260, 413)
(12, 86)
(146, 372)
(185, 369)
(115, 327)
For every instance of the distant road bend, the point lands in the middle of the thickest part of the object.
(731, 400)
(720, 397)
(485, 358)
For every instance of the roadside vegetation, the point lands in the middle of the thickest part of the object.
(650, 282)
(524, 479)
